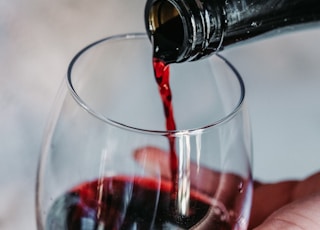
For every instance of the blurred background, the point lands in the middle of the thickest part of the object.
(38, 39)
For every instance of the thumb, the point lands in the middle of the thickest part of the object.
(300, 214)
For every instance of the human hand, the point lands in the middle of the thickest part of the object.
(283, 205)
(287, 205)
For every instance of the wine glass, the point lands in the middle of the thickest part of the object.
(106, 161)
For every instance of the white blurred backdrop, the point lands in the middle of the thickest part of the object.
(38, 39)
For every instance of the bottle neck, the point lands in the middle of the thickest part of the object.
(184, 30)
(248, 19)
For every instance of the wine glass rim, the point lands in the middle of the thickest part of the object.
(142, 35)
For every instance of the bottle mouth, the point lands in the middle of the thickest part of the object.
(166, 29)
(181, 31)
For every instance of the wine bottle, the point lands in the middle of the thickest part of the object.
(184, 30)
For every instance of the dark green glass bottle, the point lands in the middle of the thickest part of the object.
(183, 30)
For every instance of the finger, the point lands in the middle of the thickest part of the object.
(307, 186)
(153, 159)
(268, 198)
(222, 185)
(300, 214)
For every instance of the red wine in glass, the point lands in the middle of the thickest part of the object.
(126, 203)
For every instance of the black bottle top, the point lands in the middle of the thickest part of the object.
(184, 30)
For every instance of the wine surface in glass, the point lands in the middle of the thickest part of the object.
(128, 203)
